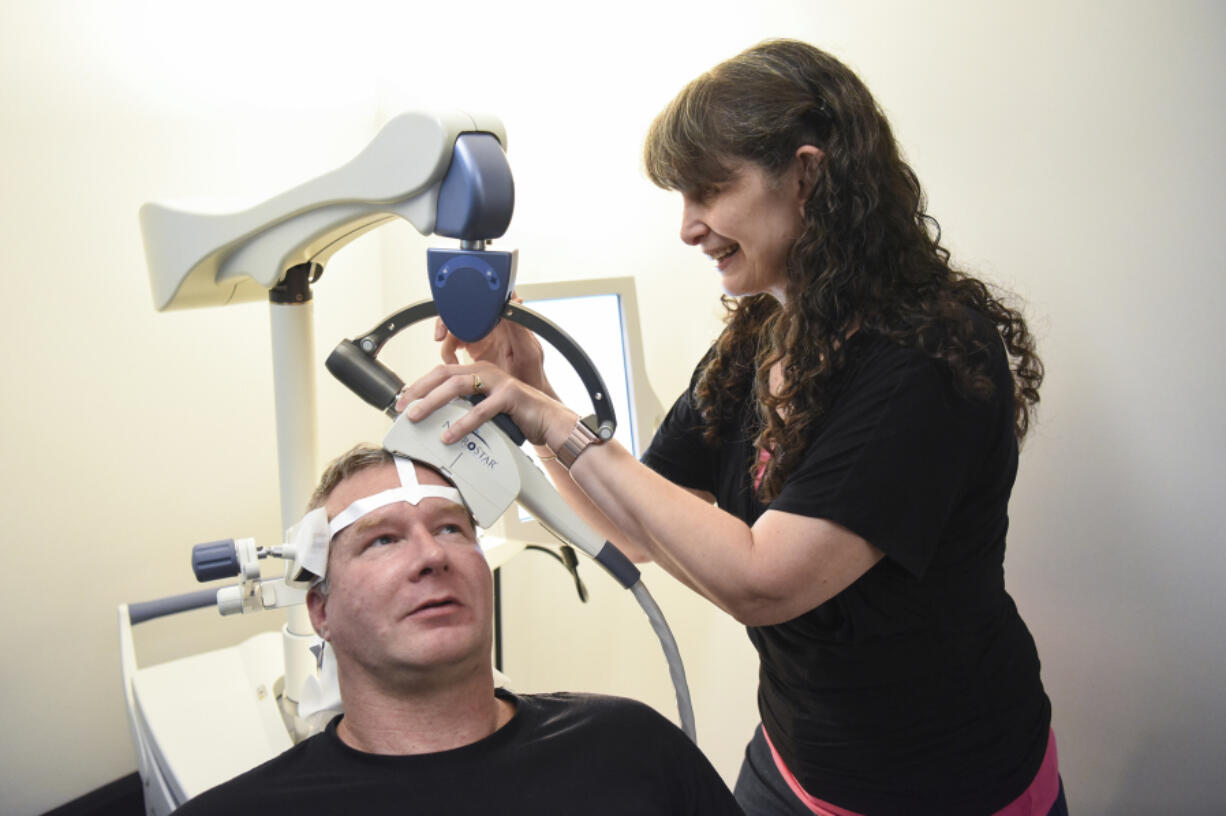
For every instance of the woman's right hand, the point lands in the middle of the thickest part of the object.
(542, 419)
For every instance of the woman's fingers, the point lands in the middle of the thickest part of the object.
(450, 343)
(472, 419)
(536, 414)
(450, 348)
(440, 385)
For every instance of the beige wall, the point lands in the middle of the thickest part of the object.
(1070, 150)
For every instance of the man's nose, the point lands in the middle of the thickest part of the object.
(428, 556)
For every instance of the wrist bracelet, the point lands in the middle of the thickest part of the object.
(581, 438)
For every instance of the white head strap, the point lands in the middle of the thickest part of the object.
(312, 536)
(409, 491)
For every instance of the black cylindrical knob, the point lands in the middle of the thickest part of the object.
(364, 376)
(215, 559)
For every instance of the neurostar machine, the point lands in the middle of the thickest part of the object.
(446, 174)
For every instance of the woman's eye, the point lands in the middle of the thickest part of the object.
(701, 195)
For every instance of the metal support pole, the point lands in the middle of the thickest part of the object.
(293, 355)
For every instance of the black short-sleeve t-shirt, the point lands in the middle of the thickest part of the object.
(560, 753)
(915, 690)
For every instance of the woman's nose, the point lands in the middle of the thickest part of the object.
(693, 228)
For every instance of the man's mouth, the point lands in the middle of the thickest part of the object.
(440, 603)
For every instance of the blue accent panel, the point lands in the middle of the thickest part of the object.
(469, 288)
(216, 559)
(477, 194)
(618, 565)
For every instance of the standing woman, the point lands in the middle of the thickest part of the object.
(837, 475)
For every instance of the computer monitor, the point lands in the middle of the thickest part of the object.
(601, 315)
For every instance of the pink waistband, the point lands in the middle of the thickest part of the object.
(1036, 800)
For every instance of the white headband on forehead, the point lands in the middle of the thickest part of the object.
(314, 533)
(409, 491)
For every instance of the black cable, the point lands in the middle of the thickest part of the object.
(567, 559)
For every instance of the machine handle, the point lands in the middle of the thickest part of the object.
(148, 610)
(365, 376)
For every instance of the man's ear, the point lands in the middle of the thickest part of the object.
(809, 160)
(317, 608)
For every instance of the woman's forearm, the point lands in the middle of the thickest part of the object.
(589, 512)
(781, 567)
(693, 540)
(632, 547)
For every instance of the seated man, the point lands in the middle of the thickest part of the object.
(406, 605)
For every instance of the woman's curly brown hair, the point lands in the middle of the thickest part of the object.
(869, 257)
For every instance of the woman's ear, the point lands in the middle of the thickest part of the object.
(809, 160)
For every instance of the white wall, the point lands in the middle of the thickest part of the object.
(1070, 150)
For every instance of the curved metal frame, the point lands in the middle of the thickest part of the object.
(379, 384)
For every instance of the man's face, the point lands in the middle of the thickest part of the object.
(409, 587)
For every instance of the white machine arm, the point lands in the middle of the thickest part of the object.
(205, 259)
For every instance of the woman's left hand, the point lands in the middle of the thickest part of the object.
(543, 420)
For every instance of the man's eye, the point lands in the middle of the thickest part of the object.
(451, 529)
(382, 540)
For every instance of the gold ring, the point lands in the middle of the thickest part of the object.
(477, 384)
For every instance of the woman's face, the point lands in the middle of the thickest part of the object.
(747, 225)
